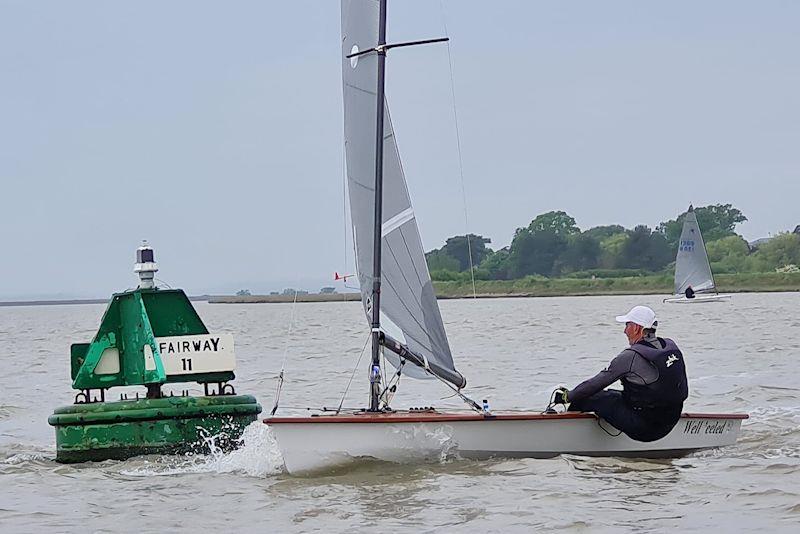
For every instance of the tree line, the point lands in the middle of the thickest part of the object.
(552, 245)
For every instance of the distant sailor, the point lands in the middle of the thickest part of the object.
(689, 292)
(653, 378)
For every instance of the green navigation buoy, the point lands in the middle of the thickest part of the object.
(150, 337)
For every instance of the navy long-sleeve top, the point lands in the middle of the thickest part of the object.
(628, 364)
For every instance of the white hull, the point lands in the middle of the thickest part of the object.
(313, 443)
(698, 299)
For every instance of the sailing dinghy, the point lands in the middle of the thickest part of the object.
(407, 328)
(692, 269)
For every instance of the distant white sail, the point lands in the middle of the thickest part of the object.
(691, 265)
(409, 311)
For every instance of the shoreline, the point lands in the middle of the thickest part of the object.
(353, 297)
(559, 287)
(276, 299)
(522, 288)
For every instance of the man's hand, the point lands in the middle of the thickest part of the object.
(560, 395)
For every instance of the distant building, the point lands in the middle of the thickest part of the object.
(290, 291)
(758, 242)
(327, 290)
(274, 293)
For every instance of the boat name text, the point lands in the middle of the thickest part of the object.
(707, 427)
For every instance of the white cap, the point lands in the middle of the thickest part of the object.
(641, 315)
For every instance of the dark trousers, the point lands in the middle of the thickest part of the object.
(638, 424)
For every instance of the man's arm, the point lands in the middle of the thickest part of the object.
(618, 367)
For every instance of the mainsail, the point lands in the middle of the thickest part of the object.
(409, 311)
(691, 265)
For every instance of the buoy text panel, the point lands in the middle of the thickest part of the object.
(188, 355)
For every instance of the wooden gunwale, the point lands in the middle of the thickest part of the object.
(432, 417)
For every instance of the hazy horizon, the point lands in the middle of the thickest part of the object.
(215, 131)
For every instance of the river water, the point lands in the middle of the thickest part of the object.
(741, 355)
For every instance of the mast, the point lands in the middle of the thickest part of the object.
(375, 368)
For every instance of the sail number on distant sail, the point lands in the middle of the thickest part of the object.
(205, 353)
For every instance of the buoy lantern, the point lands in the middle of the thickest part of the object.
(150, 337)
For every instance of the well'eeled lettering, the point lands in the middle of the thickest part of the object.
(707, 427)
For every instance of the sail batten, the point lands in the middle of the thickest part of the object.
(407, 299)
(692, 268)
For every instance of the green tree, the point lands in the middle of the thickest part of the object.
(645, 249)
(536, 248)
(496, 264)
(602, 232)
(728, 255)
(441, 261)
(457, 247)
(582, 253)
(534, 252)
(781, 250)
(733, 245)
(554, 222)
(611, 250)
(716, 221)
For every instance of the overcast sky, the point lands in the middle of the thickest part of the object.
(214, 129)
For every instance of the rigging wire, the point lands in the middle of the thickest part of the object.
(279, 387)
(390, 386)
(471, 403)
(346, 389)
(458, 144)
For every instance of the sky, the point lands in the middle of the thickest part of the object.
(214, 129)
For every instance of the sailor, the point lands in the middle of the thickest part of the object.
(653, 378)
(689, 292)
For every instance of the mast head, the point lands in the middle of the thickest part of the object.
(145, 266)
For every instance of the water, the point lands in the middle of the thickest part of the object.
(741, 356)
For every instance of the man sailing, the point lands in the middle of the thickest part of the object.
(653, 377)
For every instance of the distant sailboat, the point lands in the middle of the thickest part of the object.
(406, 325)
(694, 282)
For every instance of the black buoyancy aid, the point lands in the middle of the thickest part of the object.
(671, 388)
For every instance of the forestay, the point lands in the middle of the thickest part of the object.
(691, 265)
(409, 311)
